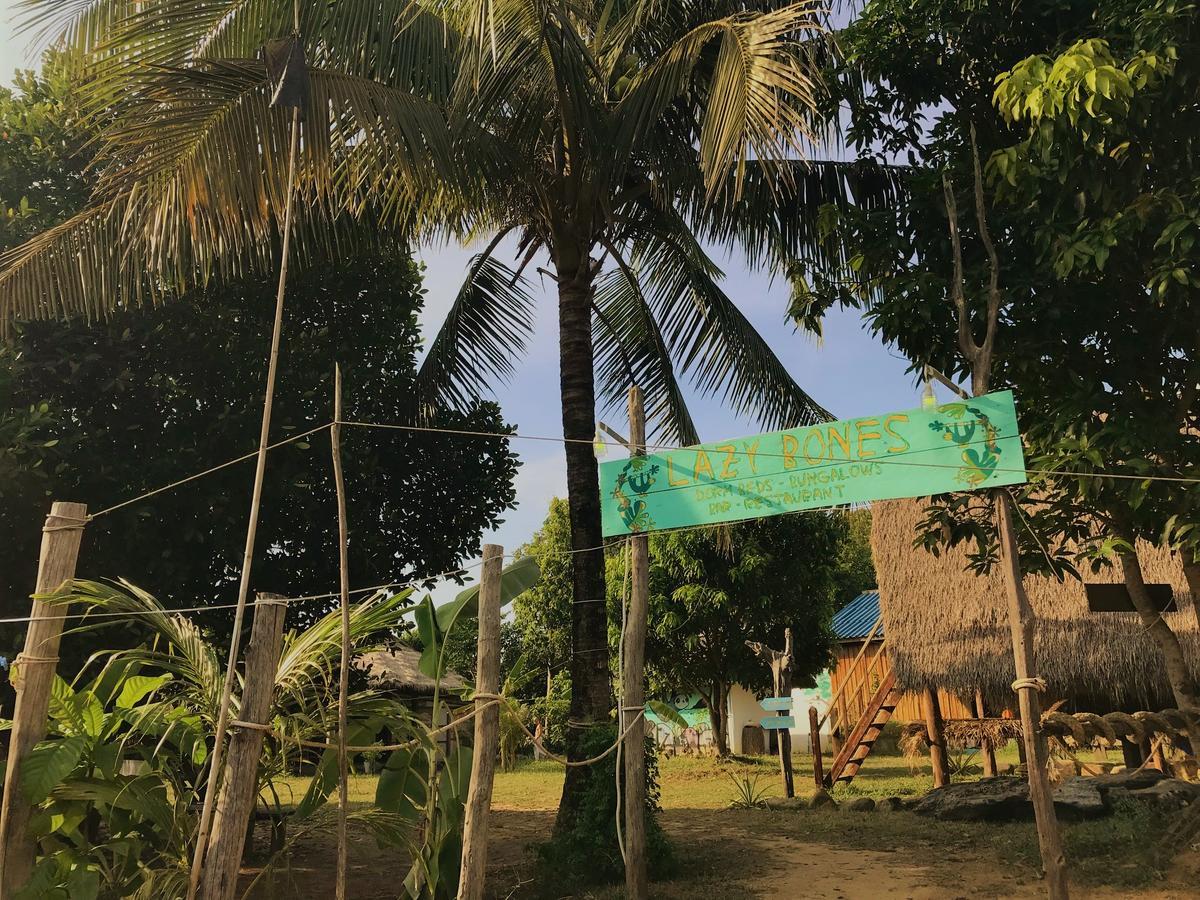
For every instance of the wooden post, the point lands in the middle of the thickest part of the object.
(239, 788)
(986, 750)
(937, 742)
(473, 874)
(1020, 620)
(633, 682)
(780, 662)
(814, 735)
(32, 675)
(335, 444)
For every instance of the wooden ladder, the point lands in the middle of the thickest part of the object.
(858, 744)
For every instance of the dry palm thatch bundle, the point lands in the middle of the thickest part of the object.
(947, 628)
(975, 732)
(913, 744)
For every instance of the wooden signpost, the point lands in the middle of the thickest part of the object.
(780, 662)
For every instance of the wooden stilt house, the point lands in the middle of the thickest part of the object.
(943, 650)
(947, 628)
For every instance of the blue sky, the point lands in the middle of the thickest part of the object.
(849, 372)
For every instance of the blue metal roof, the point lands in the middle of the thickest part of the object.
(854, 620)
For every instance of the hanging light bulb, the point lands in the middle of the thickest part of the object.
(598, 446)
(928, 398)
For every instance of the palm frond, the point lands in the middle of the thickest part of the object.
(628, 341)
(486, 328)
(714, 343)
(306, 667)
(193, 176)
(760, 100)
(775, 221)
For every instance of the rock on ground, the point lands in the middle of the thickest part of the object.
(1002, 798)
(861, 804)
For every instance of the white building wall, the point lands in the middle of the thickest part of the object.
(743, 709)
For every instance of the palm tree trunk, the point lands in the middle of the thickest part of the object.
(591, 683)
(1174, 661)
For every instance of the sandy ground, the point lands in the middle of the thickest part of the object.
(725, 856)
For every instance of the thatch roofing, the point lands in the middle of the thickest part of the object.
(947, 627)
(399, 669)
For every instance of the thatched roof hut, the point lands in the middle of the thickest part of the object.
(947, 627)
(398, 670)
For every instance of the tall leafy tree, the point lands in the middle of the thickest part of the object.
(712, 590)
(614, 138)
(152, 395)
(1106, 170)
(542, 614)
(1082, 116)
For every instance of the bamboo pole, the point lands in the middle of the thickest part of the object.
(239, 789)
(1020, 613)
(32, 675)
(335, 442)
(216, 759)
(473, 871)
(633, 682)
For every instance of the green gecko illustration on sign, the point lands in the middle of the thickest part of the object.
(964, 445)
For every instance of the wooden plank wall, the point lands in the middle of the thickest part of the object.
(860, 688)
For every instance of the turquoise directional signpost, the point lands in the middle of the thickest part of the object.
(959, 446)
(770, 722)
(776, 703)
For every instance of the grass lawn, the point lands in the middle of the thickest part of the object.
(866, 854)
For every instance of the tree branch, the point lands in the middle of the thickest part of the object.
(966, 341)
(985, 236)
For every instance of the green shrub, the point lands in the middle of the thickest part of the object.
(554, 711)
(588, 852)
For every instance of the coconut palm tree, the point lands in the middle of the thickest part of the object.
(618, 140)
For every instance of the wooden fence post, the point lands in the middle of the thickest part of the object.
(937, 742)
(239, 787)
(32, 676)
(633, 683)
(473, 871)
(814, 735)
(1028, 688)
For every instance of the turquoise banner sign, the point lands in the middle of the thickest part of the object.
(961, 446)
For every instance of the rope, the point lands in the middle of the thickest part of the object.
(206, 472)
(77, 526)
(16, 620)
(383, 748)
(666, 448)
(1035, 683)
(359, 748)
(661, 448)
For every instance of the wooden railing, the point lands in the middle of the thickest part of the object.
(845, 709)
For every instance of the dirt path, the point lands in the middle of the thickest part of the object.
(723, 854)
